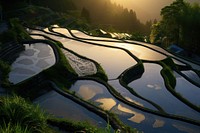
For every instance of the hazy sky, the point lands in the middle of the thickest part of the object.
(147, 9)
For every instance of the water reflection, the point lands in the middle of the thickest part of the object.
(194, 66)
(85, 36)
(152, 87)
(128, 96)
(140, 52)
(60, 106)
(187, 90)
(151, 84)
(158, 123)
(33, 60)
(178, 62)
(192, 75)
(113, 61)
(137, 118)
(131, 100)
(145, 53)
(62, 31)
(87, 92)
(106, 103)
(185, 128)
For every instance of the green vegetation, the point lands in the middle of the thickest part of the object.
(100, 73)
(17, 115)
(180, 25)
(61, 72)
(20, 116)
(16, 32)
(4, 72)
(77, 14)
(167, 72)
(168, 76)
(133, 73)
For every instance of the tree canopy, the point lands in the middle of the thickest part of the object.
(180, 25)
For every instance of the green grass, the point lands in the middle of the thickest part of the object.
(17, 128)
(22, 116)
(62, 72)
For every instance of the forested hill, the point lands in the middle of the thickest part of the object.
(101, 13)
(105, 13)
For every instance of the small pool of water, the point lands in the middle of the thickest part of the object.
(33, 60)
(128, 96)
(192, 75)
(82, 35)
(62, 31)
(187, 90)
(62, 107)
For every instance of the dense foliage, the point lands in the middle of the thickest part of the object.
(180, 25)
(17, 115)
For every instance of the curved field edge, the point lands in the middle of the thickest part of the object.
(29, 88)
(28, 118)
(100, 71)
(170, 80)
(118, 96)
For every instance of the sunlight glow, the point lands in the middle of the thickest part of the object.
(137, 118)
(147, 9)
(107, 103)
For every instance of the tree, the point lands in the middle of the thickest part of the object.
(180, 25)
(171, 20)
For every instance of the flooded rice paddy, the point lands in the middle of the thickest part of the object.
(112, 55)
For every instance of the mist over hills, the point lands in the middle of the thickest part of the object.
(105, 13)
(99, 13)
(147, 9)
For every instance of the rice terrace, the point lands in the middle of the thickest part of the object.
(96, 67)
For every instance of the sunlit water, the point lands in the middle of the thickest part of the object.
(113, 61)
(30, 62)
(194, 66)
(82, 35)
(99, 95)
(151, 86)
(128, 96)
(62, 31)
(140, 52)
(62, 107)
